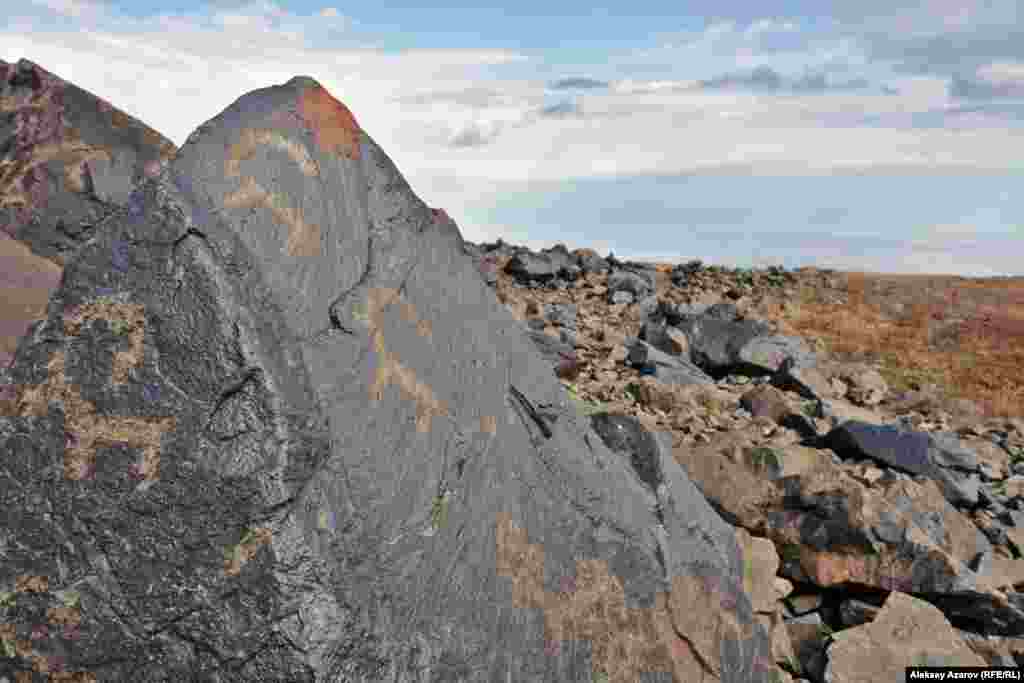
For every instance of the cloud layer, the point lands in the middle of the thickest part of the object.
(911, 88)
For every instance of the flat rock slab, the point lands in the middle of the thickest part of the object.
(274, 427)
(892, 446)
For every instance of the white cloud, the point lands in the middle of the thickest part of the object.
(73, 8)
(785, 46)
(176, 80)
(1002, 73)
(950, 231)
(769, 26)
(474, 134)
(460, 134)
(629, 86)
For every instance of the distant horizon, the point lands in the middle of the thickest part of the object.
(879, 137)
(679, 260)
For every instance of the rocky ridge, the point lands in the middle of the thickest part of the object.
(269, 431)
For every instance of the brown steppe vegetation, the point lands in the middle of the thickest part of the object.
(961, 337)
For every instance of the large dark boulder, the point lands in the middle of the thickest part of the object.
(275, 428)
(67, 160)
(715, 344)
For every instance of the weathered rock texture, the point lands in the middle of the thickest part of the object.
(275, 427)
(67, 158)
(282, 423)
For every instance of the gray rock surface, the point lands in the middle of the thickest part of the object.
(668, 369)
(637, 284)
(67, 156)
(256, 439)
(67, 159)
(274, 427)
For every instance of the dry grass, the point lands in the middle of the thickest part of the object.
(964, 336)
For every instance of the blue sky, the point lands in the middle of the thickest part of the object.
(878, 136)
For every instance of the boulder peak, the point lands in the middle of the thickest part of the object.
(279, 394)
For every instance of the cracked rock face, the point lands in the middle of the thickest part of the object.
(275, 427)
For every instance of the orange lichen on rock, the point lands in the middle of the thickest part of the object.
(488, 424)
(390, 369)
(246, 550)
(119, 119)
(42, 663)
(86, 428)
(67, 617)
(252, 139)
(72, 677)
(671, 636)
(64, 616)
(132, 316)
(31, 583)
(303, 237)
(334, 127)
(71, 153)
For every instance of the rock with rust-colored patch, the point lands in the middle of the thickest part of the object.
(333, 125)
(274, 396)
(69, 160)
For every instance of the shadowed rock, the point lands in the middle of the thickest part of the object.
(905, 450)
(715, 343)
(275, 427)
(624, 434)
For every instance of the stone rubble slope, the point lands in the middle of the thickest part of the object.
(862, 495)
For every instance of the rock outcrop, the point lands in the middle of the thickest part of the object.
(280, 422)
(67, 158)
(274, 427)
